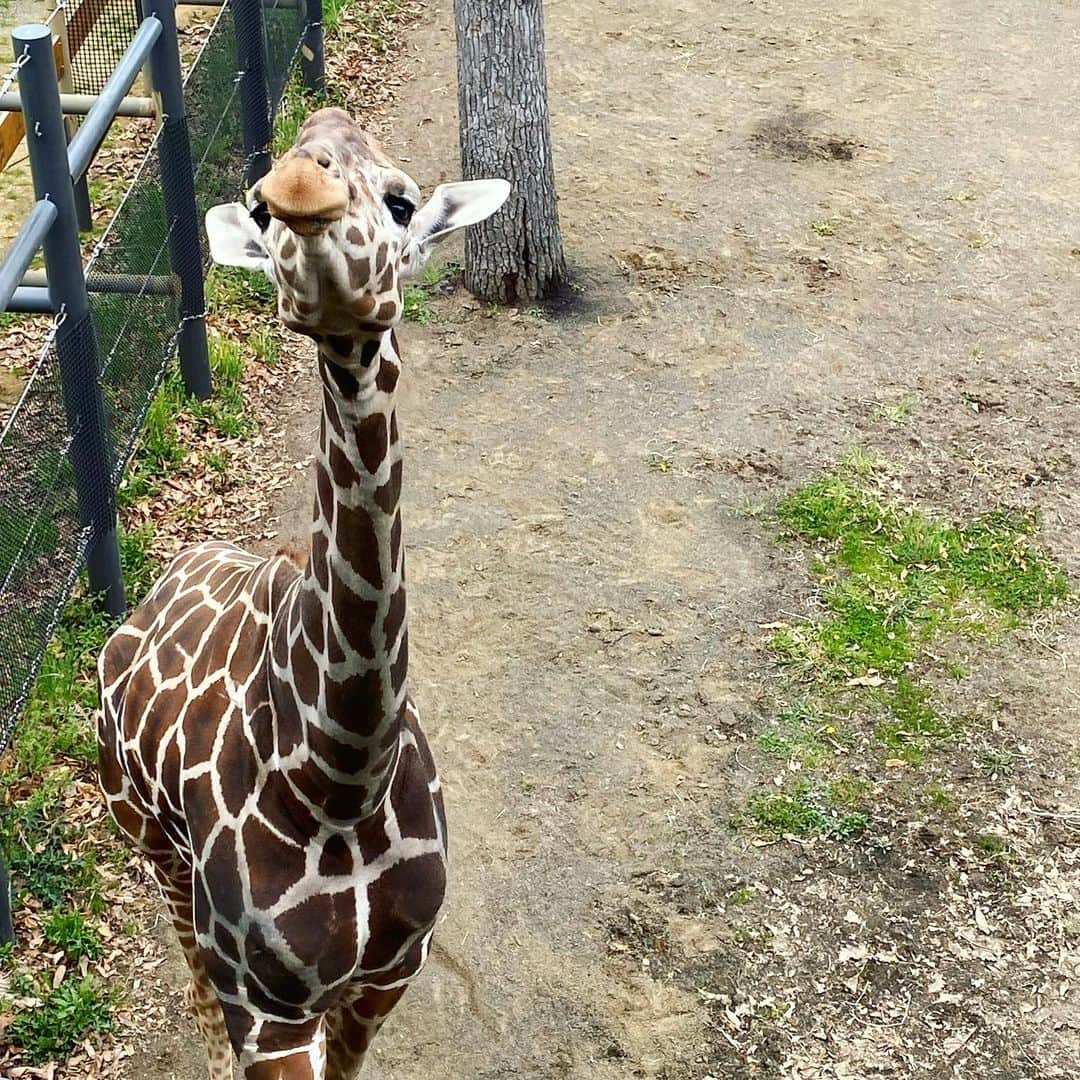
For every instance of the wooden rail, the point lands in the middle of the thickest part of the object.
(67, 40)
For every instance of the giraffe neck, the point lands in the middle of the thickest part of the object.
(340, 651)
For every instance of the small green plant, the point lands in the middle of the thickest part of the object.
(938, 797)
(433, 279)
(267, 345)
(741, 896)
(772, 743)
(824, 227)
(69, 930)
(805, 810)
(997, 762)
(217, 462)
(991, 845)
(66, 1015)
(896, 412)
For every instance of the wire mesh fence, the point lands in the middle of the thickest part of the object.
(98, 32)
(43, 537)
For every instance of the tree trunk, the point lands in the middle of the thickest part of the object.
(517, 254)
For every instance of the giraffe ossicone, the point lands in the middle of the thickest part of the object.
(257, 740)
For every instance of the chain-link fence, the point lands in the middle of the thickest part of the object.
(44, 534)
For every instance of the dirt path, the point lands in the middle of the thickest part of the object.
(588, 627)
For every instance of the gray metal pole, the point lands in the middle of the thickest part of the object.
(82, 188)
(76, 341)
(7, 931)
(312, 54)
(254, 88)
(178, 189)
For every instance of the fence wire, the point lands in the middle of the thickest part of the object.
(42, 539)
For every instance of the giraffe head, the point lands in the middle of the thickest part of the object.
(337, 226)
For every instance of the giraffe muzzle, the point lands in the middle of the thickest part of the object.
(303, 196)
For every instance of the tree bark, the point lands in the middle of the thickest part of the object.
(517, 254)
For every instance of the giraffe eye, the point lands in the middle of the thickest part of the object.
(401, 210)
(260, 214)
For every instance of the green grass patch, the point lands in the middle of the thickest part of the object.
(897, 586)
(233, 287)
(893, 577)
(417, 295)
(807, 809)
(802, 733)
(991, 845)
(913, 722)
(66, 1016)
(69, 930)
(37, 842)
(161, 449)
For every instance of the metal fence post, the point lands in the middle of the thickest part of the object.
(178, 190)
(312, 55)
(7, 931)
(254, 87)
(83, 210)
(76, 341)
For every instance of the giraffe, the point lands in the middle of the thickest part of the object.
(257, 741)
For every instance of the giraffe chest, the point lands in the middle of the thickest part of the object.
(304, 916)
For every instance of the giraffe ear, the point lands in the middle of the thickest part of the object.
(451, 207)
(236, 239)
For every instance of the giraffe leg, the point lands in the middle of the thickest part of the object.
(278, 1051)
(175, 884)
(352, 1026)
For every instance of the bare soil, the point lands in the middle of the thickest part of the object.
(589, 628)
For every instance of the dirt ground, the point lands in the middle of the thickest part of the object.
(589, 628)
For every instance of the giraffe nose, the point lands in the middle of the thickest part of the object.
(299, 191)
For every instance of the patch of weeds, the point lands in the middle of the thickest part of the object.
(938, 797)
(57, 721)
(893, 577)
(661, 463)
(894, 581)
(225, 411)
(217, 462)
(433, 279)
(161, 450)
(266, 345)
(741, 896)
(35, 835)
(69, 930)
(772, 743)
(800, 733)
(913, 723)
(997, 763)
(237, 288)
(896, 412)
(805, 810)
(66, 1015)
(991, 845)
(141, 567)
(824, 227)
